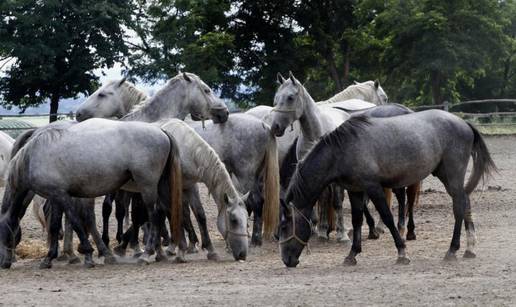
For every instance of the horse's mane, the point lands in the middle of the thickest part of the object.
(131, 96)
(209, 168)
(346, 132)
(353, 91)
(288, 165)
(339, 137)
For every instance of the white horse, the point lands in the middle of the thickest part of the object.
(6, 146)
(358, 96)
(124, 96)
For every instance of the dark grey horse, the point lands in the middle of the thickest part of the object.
(367, 154)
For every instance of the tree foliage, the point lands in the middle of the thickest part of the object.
(55, 45)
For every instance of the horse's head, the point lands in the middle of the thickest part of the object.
(232, 224)
(113, 99)
(202, 102)
(378, 96)
(294, 232)
(288, 104)
(9, 238)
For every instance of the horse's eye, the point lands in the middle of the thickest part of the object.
(102, 95)
(207, 91)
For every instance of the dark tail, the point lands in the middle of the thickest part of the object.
(483, 165)
(21, 140)
(175, 180)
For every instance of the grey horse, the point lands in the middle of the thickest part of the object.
(243, 143)
(141, 157)
(367, 154)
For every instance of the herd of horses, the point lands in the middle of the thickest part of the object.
(275, 164)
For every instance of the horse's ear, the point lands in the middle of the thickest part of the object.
(376, 84)
(185, 76)
(122, 81)
(292, 78)
(245, 197)
(279, 78)
(355, 83)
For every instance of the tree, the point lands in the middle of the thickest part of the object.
(434, 44)
(55, 46)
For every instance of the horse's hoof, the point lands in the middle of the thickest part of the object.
(192, 249)
(373, 235)
(322, 238)
(379, 229)
(450, 257)
(119, 251)
(74, 260)
(469, 254)
(256, 242)
(180, 259)
(89, 264)
(403, 260)
(137, 254)
(161, 258)
(411, 236)
(142, 261)
(45, 264)
(110, 260)
(344, 241)
(62, 257)
(350, 261)
(213, 256)
(170, 252)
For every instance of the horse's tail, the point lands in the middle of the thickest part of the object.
(271, 188)
(21, 140)
(483, 165)
(175, 181)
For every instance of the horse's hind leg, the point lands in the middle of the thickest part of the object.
(324, 204)
(376, 194)
(71, 205)
(121, 200)
(380, 228)
(412, 197)
(400, 196)
(88, 209)
(56, 215)
(107, 207)
(357, 200)
(200, 216)
(470, 230)
(190, 230)
(68, 253)
(342, 232)
(373, 233)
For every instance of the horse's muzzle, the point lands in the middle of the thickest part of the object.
(219, 116)
(290, 262)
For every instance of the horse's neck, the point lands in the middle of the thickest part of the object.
(167, 103)
(311, 126)
(310, 120)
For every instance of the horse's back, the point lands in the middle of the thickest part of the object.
(109, 152)
(415, 142)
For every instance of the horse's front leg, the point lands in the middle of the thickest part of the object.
(70, 205)
(376, 194)
(380, 227)
(357, 217)
(200, 216)
(342, 233)
(107, 207)
(413, 198)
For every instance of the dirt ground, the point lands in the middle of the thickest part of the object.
(320, 279)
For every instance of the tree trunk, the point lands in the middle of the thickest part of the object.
(436, 87)
(54, 106)
(333, 71)
(345, 80)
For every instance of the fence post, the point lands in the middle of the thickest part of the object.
(446, 105)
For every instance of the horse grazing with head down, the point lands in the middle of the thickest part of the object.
(366, 154)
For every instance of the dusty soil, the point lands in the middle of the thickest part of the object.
(320, 279)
